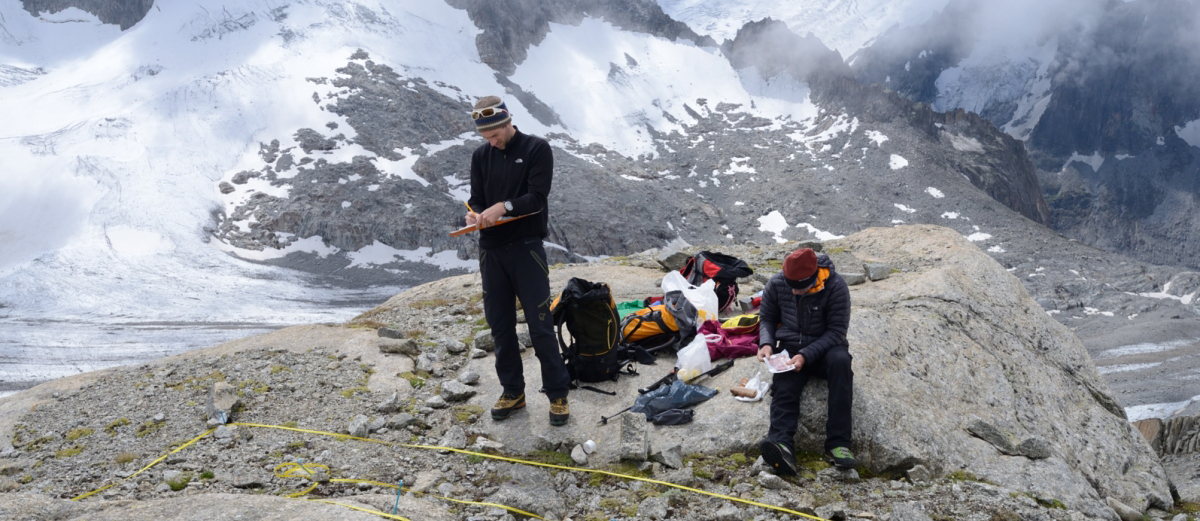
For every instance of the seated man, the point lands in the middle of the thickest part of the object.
(806, 311)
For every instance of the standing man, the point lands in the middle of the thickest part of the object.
(510, 176)
(806, 311)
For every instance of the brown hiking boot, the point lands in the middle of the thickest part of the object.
(506, 405)
(559, 411)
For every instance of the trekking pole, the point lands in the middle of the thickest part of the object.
(720, 368)
(604, 419)
(661, 382)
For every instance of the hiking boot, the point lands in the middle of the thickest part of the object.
(507, 404)
(779, 457)
(842, 457)
(559, 411)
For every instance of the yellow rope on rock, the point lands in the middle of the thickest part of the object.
(547, 465)
(295, 467)
(147, 467)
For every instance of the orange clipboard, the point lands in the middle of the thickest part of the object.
(475, 227)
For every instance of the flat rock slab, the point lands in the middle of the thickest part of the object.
(950, 338)
(246, 507)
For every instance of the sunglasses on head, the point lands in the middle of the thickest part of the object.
(488, 112)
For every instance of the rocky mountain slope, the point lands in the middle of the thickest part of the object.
(349, 165)
(1103, 93)
(1004, 415)
(863, 157)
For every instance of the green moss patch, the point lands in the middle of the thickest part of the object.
(79, 433)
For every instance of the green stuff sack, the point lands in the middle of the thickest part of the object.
(629, 306)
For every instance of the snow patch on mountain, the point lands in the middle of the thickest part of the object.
(773, 223)
(1007, 82)
(1190, 133)
(842, 25)
(648, 92)
(1095, 160)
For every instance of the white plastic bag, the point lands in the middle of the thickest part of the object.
(757, 385)
(693, 359)
(703, 297)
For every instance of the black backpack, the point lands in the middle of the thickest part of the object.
(590, 315)
(724, 269)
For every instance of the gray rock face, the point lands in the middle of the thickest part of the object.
(405, 347)
(652, 508)
(222, 398)
(387, 332)
(876, 271)
(919, 474)
(509, 32)
(671, 457)
(358, 426)
(853, 279)
(125, 13)
(728, 512)
(484, 341)
(1123, 511)
(771, 481)
(530, 498)
(392, 404)
(989, 433)
(911, 511)
(455, 438)
(1034, 448)
(1011, 367)
(635, 441)
(1033, 380)
(672, 260)
(455, 391)
(578, 455)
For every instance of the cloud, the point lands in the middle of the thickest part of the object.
(40, 213)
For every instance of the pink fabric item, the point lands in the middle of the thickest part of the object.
(728, 345)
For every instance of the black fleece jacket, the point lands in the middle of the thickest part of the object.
(520, 173)
(816, 322)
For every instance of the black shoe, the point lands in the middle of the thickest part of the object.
(779, 457)
(560, 412)
(506, 405)
(842, 457)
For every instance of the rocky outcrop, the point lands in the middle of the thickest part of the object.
(1123, 86)
(510, 28)
(1117, 87)
(125, 13)
(957, 370)
(992, 160)
(961, 381)
(957, 342)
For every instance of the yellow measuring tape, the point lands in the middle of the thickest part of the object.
(299, 470)
(449, 449)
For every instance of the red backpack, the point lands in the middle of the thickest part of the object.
(724, 269)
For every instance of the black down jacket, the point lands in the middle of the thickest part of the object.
(815, 324)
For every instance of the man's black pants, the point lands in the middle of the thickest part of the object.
(518, 271)
(834, 367)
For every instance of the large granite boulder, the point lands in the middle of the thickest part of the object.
(954, 341)
(957, 369)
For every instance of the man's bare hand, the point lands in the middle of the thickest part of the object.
(489, 217)
(797, 361)
(472, 218)
(764, 352)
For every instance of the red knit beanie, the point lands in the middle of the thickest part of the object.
(800, 268)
